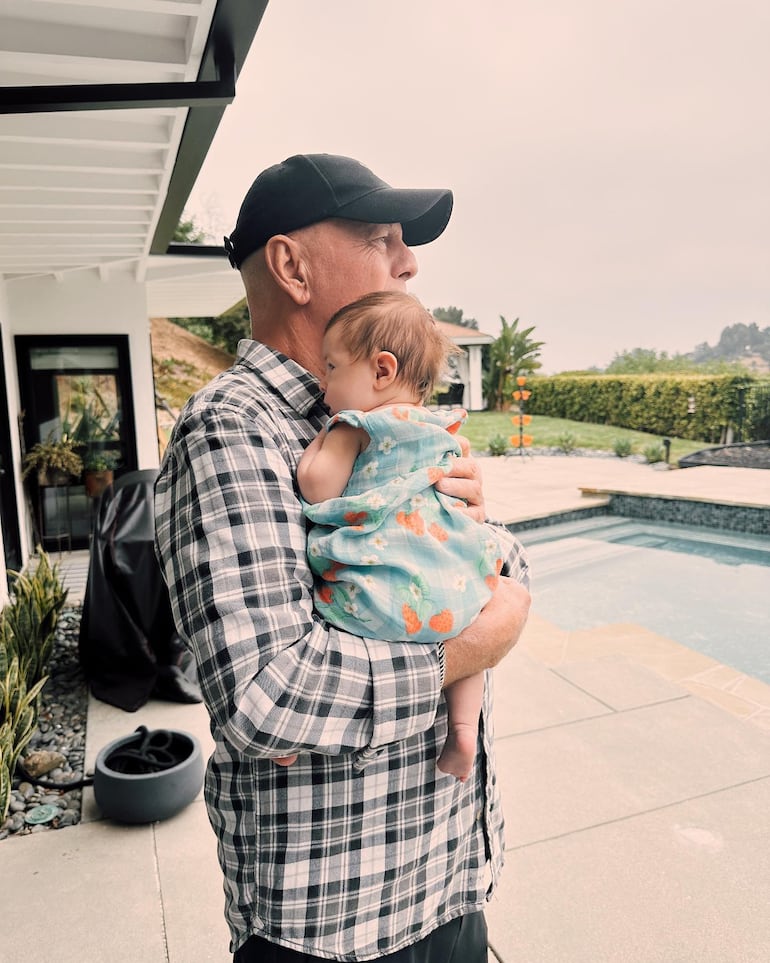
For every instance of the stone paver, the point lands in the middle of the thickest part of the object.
(688, 883)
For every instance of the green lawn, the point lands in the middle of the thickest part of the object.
(547, 432)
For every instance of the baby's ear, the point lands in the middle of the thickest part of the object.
(387, 369)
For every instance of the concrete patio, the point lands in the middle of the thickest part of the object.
(635, 774)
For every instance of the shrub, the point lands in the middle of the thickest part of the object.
(498, 445)
(622, 447)
(682, 406)
(566, 442)
(653, 454)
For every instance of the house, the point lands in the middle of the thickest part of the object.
(469, 364)
(107, 111)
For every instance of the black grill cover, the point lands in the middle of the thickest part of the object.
(128, 647)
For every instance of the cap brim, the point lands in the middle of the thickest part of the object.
(422, 214)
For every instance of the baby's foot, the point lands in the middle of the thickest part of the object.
(459, 751)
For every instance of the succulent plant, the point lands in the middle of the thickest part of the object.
(27, 630)
(53, 455)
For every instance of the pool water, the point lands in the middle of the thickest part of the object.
(704, 588)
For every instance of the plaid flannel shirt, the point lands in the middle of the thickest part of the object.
(361, 847)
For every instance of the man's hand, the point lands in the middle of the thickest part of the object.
(491, 636)
(463, 482)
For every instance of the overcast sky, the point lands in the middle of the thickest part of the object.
(610, 159)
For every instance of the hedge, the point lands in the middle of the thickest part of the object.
(658, 404)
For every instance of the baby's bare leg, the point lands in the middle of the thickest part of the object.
(464, 699)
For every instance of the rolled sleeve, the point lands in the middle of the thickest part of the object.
(407, 688)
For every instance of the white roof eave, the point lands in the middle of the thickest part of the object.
(180, 286)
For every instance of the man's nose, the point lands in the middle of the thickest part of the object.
(405, 266)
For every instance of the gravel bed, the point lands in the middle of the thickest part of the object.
(61, 728)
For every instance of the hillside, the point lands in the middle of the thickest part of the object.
(181, 362)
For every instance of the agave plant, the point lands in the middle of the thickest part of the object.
(6, 775)
(28, 623)
(27, 629)
(18, 718)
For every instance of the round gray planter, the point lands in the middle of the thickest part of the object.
(147, 796)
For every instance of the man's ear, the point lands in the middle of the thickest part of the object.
(386, 365)
(284, 261)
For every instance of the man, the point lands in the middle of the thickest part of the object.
(360, 849)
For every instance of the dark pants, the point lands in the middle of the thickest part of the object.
(463, 940)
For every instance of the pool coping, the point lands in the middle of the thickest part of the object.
(736, 517)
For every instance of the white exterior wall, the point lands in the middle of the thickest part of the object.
(83, 303)
(87, 304)
(473, 395)
(13, 408)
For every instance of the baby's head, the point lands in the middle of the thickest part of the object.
(396, 322)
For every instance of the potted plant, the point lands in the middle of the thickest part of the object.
(56, 461)
(98, 471)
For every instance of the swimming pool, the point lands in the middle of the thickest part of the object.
(704, 588)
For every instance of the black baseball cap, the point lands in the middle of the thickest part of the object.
(308, 188)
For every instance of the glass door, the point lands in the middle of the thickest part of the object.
(76, 387)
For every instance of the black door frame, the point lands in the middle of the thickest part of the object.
(25, 343)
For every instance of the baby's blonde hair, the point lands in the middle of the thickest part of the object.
(395, 321)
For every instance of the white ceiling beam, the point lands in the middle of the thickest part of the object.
(76, 227)
(75, 180)
(77, 128)
(53, 262)
(44, 256)
(84, 158)
(25, 70)
(47, 244)
(65, 41)
(170, 8)
(47, 197)
(55, 215)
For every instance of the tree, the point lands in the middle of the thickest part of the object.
(454, 315)
(647, 361)
(735, 342)
(228, 329)
(224, 331)
(187, 231)
(639, 361)
(514, 353)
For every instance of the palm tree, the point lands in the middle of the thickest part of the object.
(514, 353)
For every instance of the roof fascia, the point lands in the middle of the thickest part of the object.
(233, 28)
